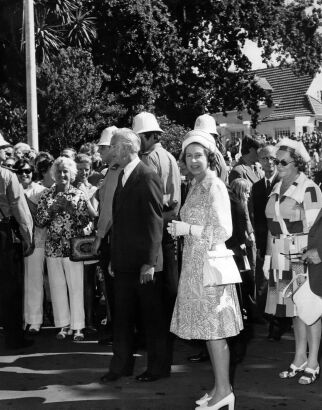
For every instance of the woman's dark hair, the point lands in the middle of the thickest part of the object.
(21, 163)
(299, 162)
(43, 162)
(211, 157)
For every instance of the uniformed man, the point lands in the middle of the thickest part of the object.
(104, 224)
(15, 241)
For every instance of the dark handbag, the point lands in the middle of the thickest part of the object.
(81, 249)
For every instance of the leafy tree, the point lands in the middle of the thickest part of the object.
(215, 32)
(173, 134)
(139, 49)
(13, 121)
(72, 107)
(62, 23)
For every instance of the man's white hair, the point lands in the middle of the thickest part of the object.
(128, 137)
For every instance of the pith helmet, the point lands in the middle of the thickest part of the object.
(3, 142)
(107, 135)
(145, 122)
(206, 123)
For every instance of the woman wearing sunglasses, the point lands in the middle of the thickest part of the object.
(292, 209)
(34, 264)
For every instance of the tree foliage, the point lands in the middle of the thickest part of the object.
(72, 107)
(13, 121)
(139, 48)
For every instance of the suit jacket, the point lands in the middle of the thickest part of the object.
(259, 199)
(315, 242)
(243, 171)
(137, 222)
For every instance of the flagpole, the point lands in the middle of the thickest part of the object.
(32, 116)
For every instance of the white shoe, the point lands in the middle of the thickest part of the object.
(226, 401)
(203, 400)
(64, 332)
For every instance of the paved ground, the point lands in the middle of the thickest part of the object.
(64, 375)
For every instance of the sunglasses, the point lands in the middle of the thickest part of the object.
(282, 162)
(24, 171)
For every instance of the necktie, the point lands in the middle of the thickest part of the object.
(119, 182)
(268, 186)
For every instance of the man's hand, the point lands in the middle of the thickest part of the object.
(109, 270)
(96, 245)
(28, 248)
(146, 274)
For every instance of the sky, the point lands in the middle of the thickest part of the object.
(254, 54)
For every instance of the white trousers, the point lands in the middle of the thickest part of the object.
(34, 287)
(66, 282)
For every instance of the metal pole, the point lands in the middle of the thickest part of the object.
(32, 116)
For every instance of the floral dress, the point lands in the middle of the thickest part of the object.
(200, 312)
(289, 218)
(63, 225)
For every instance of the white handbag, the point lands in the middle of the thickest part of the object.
(308, 304)
(220, 268)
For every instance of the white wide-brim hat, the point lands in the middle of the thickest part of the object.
(297, 147)
(199, 137)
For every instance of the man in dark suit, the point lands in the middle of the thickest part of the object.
(260, 194)
(136, 260)
(244, 167)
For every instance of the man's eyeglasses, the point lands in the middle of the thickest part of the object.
(268, 159)
(24, 171)
(282, 162)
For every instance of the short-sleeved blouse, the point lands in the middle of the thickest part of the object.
(63, 225)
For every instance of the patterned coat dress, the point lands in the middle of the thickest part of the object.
(205, 313)
(289, 218)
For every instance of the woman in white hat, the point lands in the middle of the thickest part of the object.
(205, 313)
(292, 209)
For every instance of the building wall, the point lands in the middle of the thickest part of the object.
(315, 89)
(270, 127)
(294, 125)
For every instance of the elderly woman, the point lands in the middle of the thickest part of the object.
(205, 313)
(84, 170)
(65, 211)
(292, 208)
(34, 263)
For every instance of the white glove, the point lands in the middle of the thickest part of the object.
(267, 265)
(178, 228)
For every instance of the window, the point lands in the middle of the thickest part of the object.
(319, 95)
(282, 132)
(237, 134)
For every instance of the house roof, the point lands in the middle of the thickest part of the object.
(315, 104)
(288, 93)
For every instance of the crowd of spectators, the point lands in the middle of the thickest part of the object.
(136, 228)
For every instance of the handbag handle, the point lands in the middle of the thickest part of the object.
(292, 281)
